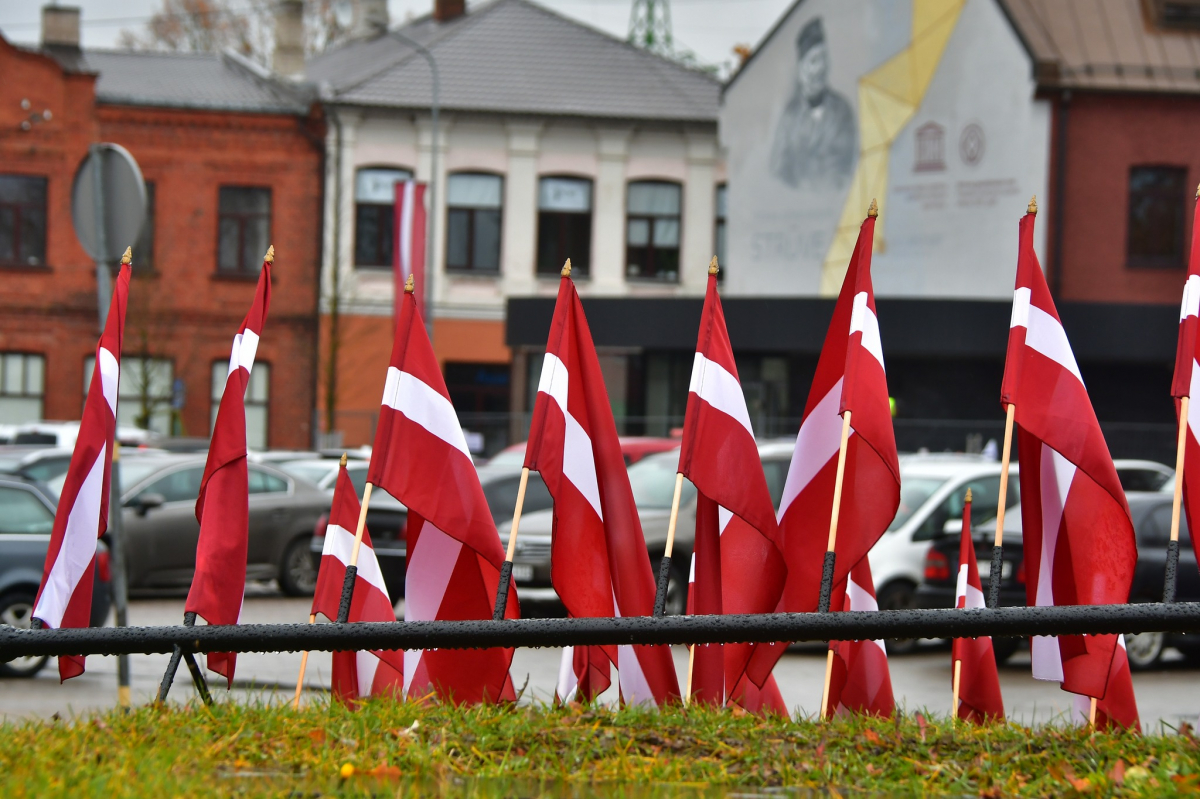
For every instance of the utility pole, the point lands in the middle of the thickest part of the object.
(650, 26)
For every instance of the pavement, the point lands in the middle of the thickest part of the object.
(921, 681)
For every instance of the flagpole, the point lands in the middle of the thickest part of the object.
(664, 566)
(954, 700)
(831, 554)
(1092, 715)
(1173, 544)
(507, 566)
(997, 569)
(687, 693)
(352, 566)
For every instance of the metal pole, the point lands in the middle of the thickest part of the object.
(116, 538)
(103, 278)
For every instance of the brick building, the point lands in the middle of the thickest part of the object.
(232, 160)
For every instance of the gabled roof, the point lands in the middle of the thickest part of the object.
(512, 56)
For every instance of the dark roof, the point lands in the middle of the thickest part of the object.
(513, 56)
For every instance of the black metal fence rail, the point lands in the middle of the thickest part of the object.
(1183, 617)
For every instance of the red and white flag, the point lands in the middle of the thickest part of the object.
(737, 567)
(452, 569)
(223, 507)
(64, 598)
(355, 674)
(979, 697)
(409, 248)
(1118, 709)
(850, 377)
(860, 681)
(599, 563)
(1187, 381)
(1078, 537)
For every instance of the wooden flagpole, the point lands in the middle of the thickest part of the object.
(1176, 505)
(1092, 715)
(687, 693)
(997, 568)
(954, 701)
(506, 567)
(831, 556)
(664, 566)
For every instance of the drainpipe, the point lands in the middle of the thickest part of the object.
(1060, 189)
(334, 281)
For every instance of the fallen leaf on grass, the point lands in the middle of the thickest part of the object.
(1117, 774)
(872, 736)
(317, 736)
(921, 725)
(385, 772)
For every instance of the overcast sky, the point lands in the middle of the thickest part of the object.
(709, 28)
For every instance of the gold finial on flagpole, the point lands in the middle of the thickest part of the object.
(346, 457)
(713, 268)
(968, 499)
(566, 270)
(270, 256)
(1032, 207)
(410, 285)
(873, 209)
(128, 256)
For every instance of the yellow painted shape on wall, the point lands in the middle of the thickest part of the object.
(888, 97)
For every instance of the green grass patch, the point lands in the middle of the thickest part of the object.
(391, 749)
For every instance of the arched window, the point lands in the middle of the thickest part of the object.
(374, 214)
(474, 202)
(652, 234)
(564, 224)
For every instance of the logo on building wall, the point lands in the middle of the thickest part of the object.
(931, 147)
(971, 145)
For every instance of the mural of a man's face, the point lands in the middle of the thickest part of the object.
(812, 73)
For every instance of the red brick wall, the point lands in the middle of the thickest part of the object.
(181, 309)
(1106, 135)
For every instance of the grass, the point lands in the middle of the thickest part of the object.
(393, 749)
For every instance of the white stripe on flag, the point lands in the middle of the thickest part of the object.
(861, 599)
(339, 542)
(245, 347)
(1056, 475)
(1194, 407)
(366, 664)
(635, 688)
(723, 519)
(1045, 334)
(714, 384)
(863, 319)
(420, 403)
(819, 440)
(78, 546)
(110, 378)
(430, 566)
(960, 590)
(1191, 298)
(568, 683)
(1020, 309)
(579, 462)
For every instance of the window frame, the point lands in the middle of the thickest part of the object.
(1178, 259)
(655, 276)
(216, 393)
(382, 211)
(242, 217)
(581, 263)
(25, 356)
(18, 209)
(161, 405)
(470, 268)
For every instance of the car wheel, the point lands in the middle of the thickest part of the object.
(297, 577)
(899, 596)
(16, 610)
(1144, 650)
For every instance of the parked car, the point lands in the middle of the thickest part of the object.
(26, 520)
(1151, 513)
(159, 513)
(634, 448)
(63, 434)
(38, 462)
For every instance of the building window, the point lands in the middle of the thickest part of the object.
(652, 230)
(145, 394)
(22, 221)
(244, 229)
(473, 222)
(22, 387)
(143, 251)
(564, 225)
(1157, 198)
(719, 230)
(375, 214)
(257, 396)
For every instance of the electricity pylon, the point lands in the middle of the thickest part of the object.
(650, 26)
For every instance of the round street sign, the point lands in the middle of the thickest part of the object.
(108, 202)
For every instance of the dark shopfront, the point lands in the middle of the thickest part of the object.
(945, 360)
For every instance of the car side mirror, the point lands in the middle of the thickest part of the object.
(144, 502)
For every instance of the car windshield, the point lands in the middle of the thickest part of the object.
(914, 491)
(133, 472)
(653, 482)
(312, 472)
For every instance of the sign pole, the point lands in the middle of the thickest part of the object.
(116, 537)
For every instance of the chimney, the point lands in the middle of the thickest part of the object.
(288, 59)
(60, 26)
(446, 10)
(370, 18)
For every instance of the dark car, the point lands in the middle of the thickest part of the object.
(26, 520)
(159, 499)
(1151, 513)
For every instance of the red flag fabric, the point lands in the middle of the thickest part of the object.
(979, 697)
(452, 569)
(599, 563)
(860, 681)
(223, 507)
(409, 251)
(355, 674)
(1187, 382)
(64, 598)
(850, 376)
(738, 567)
(1078, 537)
(1118, 709)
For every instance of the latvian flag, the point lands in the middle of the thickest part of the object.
(860, 682)
(64, 598)
(736, 565)
(355, 674)
(1078, 537)
(223, 507)
(979, 697)
(420, 457)
(1118, 709)
(599, 563)
(1187, 381)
